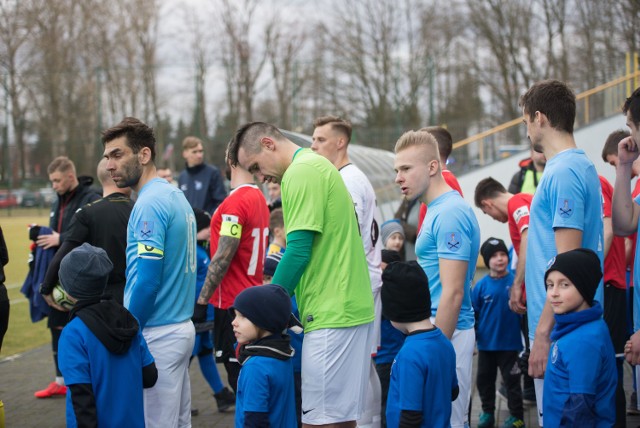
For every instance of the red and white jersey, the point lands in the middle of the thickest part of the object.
(615, 268)
(364, 200)
(242, 215)
(518, 210)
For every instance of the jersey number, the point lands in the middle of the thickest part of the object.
(258, 243)
(191, 244)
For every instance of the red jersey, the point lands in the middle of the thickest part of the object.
(452, 181)
(518, 212)
(243, 215)
(615, 268)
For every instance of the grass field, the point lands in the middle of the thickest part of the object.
(22, 334)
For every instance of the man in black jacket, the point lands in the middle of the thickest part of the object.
(73, 193)
(202, 184)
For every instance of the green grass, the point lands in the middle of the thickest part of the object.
(22, 334)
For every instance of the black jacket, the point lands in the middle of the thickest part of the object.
(66, 205)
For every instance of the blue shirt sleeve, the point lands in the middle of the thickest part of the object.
(150, 225)
(73, 357)
(143, 296)
(452, 235)
(568, 207)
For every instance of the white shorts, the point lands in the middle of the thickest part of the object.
(538, 384)
(168, 403)
(464, 342)
(335, 374)
(377, 307)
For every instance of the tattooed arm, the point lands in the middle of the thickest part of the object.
(227, 247)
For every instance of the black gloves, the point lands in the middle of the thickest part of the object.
(199, 313)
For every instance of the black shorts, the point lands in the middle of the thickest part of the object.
(223, 336)
(615, 315)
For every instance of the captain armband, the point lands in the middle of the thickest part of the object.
(230, 226)
(147, 251)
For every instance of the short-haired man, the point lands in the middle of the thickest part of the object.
(445, 147)
(566, 210)
(202, 184)
(331, 137)
(447, 249)
(326, 266)
(626, 210)
(161, 268)
(239, 239)
(72, 193)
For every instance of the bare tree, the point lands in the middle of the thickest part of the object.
(505, 29)
(284, 49)
(243, 58)
(379, 50)
(554, 14)
(16, 25)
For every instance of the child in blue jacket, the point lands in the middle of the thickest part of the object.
(423, 375)
(104, 358)
(265, 396)
(580, 380)
(497, 335)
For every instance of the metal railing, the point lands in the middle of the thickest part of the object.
(502, 141)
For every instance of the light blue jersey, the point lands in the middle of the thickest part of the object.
(568, 196)
(449, 231)
(162, 225)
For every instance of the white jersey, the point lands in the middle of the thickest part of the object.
(364, 199)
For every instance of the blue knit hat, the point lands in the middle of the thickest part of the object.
(267, 306)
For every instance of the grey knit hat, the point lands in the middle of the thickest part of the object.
(84, 272)
(390, 227)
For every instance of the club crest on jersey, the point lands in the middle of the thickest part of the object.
(145, 228)
(565, 207)
(554, 353)
(453, 241)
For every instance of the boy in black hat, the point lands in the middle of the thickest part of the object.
(497, 336)
(423, 375)
(265, 395)
(391, 341)
(581, 377)
(103, 356)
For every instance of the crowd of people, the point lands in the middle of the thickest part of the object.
(307, 299)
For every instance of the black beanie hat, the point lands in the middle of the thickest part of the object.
(490, 247)
(203, 219)
(405, 292)
(267, 306)
(84, 272)
(582, 267)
